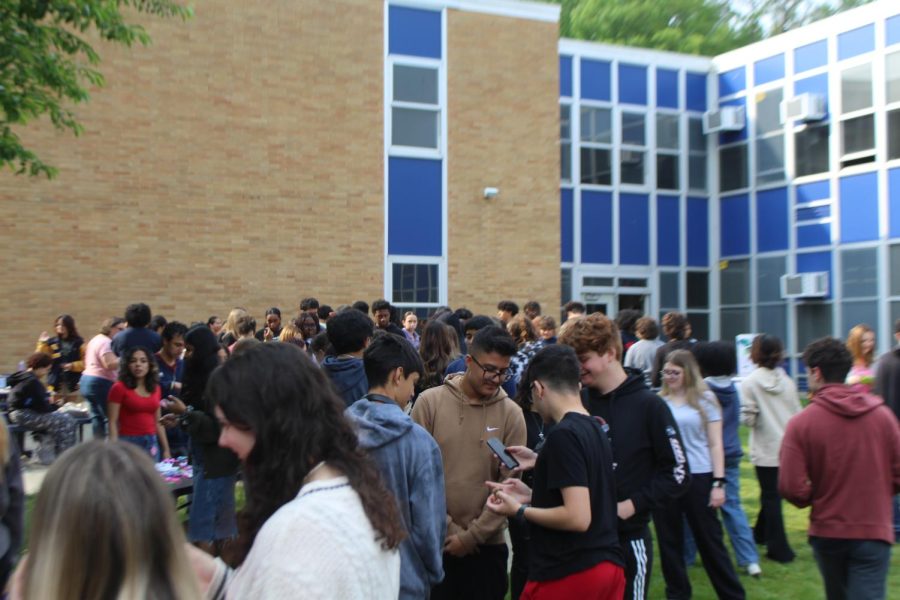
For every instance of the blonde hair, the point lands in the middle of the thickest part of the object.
(854, 344)
(104, 526)
(231, 323)
(694, 386)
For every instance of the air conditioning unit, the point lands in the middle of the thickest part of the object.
(805, 107)
(804, 285)
(727, 118)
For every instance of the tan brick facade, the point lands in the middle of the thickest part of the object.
(503, 117)
(239, 160)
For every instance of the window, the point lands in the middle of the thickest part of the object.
(813, 322)
(633, 148)
(668, 146)
(415, 284)
(696, 154)
(857, 116)
(895, 269)
(858, 140)
(893, 125)
(771, 309)
(892, 75)
(669, 294)
(735, 299)
(415, 108)
(733, 168)
(565, 142)
(596, 145)
(811, 154)
(859, 288)
(697, 289)
(565, 285)
(770, 137)
(856, 88)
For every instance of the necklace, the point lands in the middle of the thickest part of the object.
(540, 423)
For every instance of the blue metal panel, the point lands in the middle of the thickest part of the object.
(856, 41)
(812, 262)
(732, 82)
(892, 31)
(567, 225)
(414, 207)
(810, 192)
(817, 84)
(697, 232)
(633, 84)
(894, 202)
(768, 69)
(734, 136)
(596, 227)
(859, 207)
(414, 32)
(634, 229)
(814, 213)
(734, 225)
(811, 56)
(816, 234)
(667, 88)
(772, 229)
(595, 80)
(696, 92)
(565, 75)
(668, 242)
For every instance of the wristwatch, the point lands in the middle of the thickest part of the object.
(520, 514)
(718, 482)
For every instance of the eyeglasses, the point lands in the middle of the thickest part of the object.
(669, 373)
(491, 372)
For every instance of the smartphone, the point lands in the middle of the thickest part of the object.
(505, 457)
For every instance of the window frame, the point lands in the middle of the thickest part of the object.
(860, 157)
(591, 145)
(437, 109)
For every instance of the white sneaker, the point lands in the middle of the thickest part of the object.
(753, 570)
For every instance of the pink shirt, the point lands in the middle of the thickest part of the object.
(93, 366)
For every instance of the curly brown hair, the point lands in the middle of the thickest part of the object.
(522, 330)
(595, 332)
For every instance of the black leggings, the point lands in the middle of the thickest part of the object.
(769, 528)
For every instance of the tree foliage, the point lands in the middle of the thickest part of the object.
(706, 27)
(46, 64)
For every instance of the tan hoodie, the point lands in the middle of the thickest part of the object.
(768, 401)
(461, 426)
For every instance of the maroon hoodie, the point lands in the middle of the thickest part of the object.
(842, 456)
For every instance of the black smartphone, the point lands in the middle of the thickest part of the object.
(499, 449)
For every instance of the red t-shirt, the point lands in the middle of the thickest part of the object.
(137, 414)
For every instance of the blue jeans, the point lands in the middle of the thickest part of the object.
(897, 518)
(212, 514)
(95, 390)
(852, 569)
(734, 519)
(147, 443)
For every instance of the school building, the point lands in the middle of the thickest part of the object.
(457, 152)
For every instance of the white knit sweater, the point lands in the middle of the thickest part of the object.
(319, 545)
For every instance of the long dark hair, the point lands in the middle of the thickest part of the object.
(202, 361)
(298, 421)
(125, 375)
(69, 323)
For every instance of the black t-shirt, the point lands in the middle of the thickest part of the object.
(576, 453)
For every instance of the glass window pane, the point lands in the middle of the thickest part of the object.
(412, 127)
(697, 289)
(632, 167)
(697, 172)
(813, 322)
(565, 285)
(770, 159)
(768, 278)
(772, 319)
(893, 124)
(768, 111)
(415, 84)
(892, 74)
(415, 283)
(734, 321)
(859, 273)
(696, 139)
(565, 162)
(811, 150)
(595, 166)
(699, 325)
(895, 269)
(633, 129)
(733, 168)
(565, 122)
(735, 281)
(895, 313)
(854, 312)
(596, 125)
(667, 171)
(668, 291)
(667, 131)
(856, 88)
(858, 134)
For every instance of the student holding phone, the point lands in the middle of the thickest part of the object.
(575, 549)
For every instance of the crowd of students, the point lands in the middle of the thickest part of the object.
(385, 457)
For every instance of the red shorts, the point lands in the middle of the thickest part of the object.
(605, 581)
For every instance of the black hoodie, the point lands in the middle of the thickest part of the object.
(887, 379)
(650, 464)
(28, 393)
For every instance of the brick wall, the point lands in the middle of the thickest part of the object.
(238, 160)
(503, 117)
